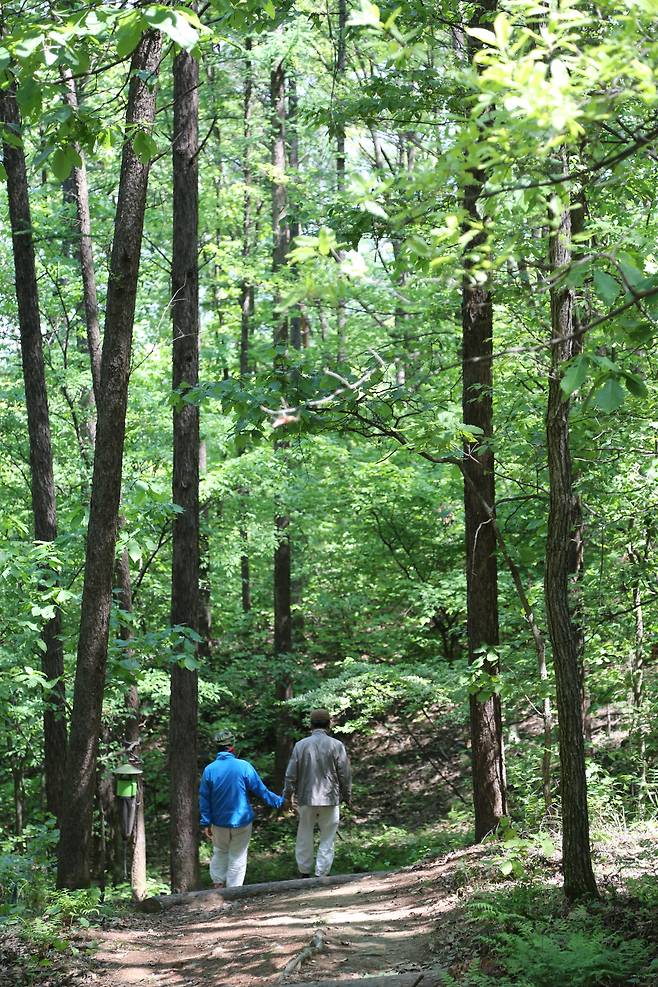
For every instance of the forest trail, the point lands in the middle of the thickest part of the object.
(393, 924)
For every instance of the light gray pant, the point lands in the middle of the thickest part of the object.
(327, 818)
(228, 863)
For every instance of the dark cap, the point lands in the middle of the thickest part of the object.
(320, 717)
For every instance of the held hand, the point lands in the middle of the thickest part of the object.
(207, 832)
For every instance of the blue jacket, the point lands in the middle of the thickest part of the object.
(224, 792)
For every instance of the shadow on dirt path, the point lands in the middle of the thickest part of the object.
(377, 925)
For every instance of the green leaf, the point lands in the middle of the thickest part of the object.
(367, 16)
(631, 272)
(5, 59)
(610, 396)
(374, 208)
(129, 33)
(506, 867)
(134, 551)
(606, 287)
(325, 241)
(575, 375)
(144, 147)
(29, 97)
(63, 160)
(488, 37)
(174, 24)
(635, 385)
(190, 663)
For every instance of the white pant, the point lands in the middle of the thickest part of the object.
(229, 857)
(327, 817)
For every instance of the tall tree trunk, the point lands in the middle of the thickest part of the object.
(638, 731)
(246, 287)
(133, 739)
(75, 841)
(85, 252)
(576, 855)
(41, 458)
(204, 624)
(281, 241)
(185, 563)
(19, 799)
(246, 301)
(489, 795)
(295, 225)
(340, 153)
(581, 318)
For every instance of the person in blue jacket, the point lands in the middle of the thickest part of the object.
(226, 812)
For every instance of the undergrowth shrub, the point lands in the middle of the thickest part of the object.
(531, 939)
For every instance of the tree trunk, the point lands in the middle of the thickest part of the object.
(246, 288)
(581, 316)
(19, 800)
(85, 252)
(576, 855)
(133, 738)
(340, 156)
(75, 841)
(638, 731)
(204, 623)
(246, 305)
(41, 458)
(185, 563)
(489, 796)
(295, 226)
(281, 241)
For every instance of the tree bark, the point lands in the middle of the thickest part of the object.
(19, 800)
(246, 303)
(204, 624)
(44, 508)
(85, 252)
(581, 316)
(246, 288)
(132, 737)
(340, 156)
(75, 841)
(576, 855)
(185, 563)
(282, 563)
(489, 795)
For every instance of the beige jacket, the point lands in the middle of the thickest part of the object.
(319, 772)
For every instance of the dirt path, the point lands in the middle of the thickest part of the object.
(377, 925)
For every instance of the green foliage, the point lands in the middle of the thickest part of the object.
(534, 942)
(516, 849)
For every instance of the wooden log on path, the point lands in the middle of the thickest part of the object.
(161, 902)
(430, 978)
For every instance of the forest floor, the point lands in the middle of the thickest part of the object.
(403, 922)
(414, 921)
(434, 919)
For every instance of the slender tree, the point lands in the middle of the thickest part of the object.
(246, 292)
(75, 841)
(44, 508)
(488, 761)
(185, 486)
(339, 78)
(85, 250)
(133, 738)
(576, 854)
(282, 562)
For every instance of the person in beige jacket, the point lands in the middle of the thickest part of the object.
(320, 778)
